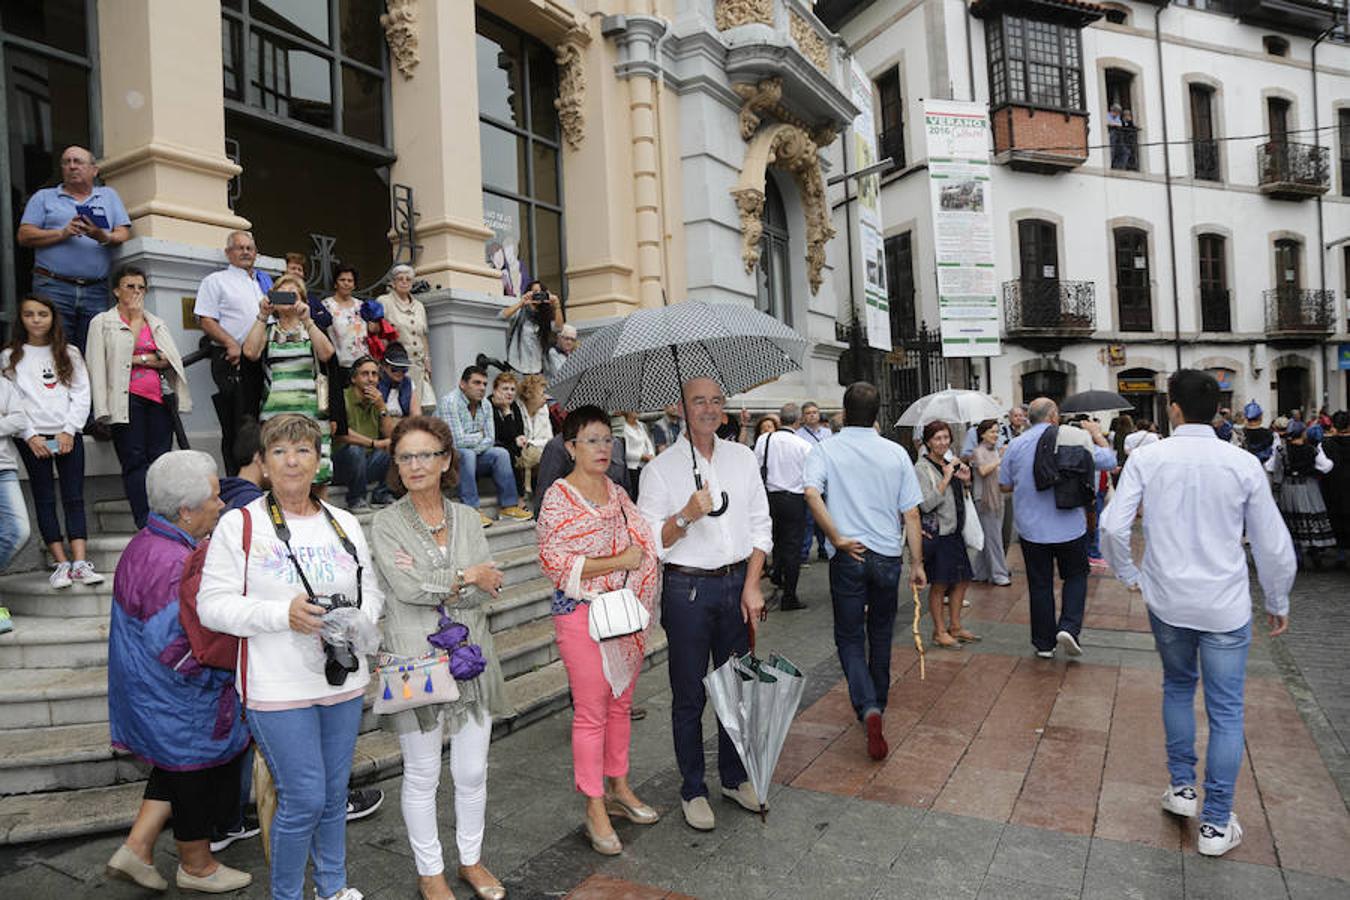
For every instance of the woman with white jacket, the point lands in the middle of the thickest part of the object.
(268, 564)
(135, 376)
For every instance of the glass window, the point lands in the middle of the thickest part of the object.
(1343, 126)
(891, 140)
(900, 285)
(57, 23)
(360, 31)
(306, 19)
(291, 82)
(774, 271)
(1034, 62)
(522, 171)
(1134, 288)
(362, 105)
(1215, 312)
(1204, 147)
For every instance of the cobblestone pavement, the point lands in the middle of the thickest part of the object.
(1009, 777)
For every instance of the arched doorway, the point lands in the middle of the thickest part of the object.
(1139, 387)
(1045, 383)
(1293, 388)
(773, 272)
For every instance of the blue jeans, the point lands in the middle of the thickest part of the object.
(1041, 559)
(1094, 533)
(14, 528)
(1222, 658)
(497, 461)
(146, 437)
(865, 598)
(812, 531)
(74, 304)
(309, 751)
(701, 616)
(355, 468)
(70, 468)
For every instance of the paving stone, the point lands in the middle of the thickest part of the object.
(1040, 856)
(1123, 871)
(1222, 879)
(995, 888)
(948, 849)
(1303, 886)
(871, 833)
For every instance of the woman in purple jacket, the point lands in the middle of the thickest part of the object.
(163, 706)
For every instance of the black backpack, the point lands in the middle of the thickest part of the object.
(1066, 470)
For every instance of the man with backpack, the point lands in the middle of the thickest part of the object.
(1050, 517)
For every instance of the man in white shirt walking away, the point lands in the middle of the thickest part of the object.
(1199, 496)
(782, 458)
(714, 540)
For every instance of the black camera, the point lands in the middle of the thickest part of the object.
(330, 602)
(540, 297)
(338, 661)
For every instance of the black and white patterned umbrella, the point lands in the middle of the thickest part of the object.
(640, 362)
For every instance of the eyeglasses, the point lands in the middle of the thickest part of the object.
(593, 443)
(424, 458)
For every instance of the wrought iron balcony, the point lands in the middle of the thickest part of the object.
(1124, 148)
(1216, 313)
(1205, 155)
(1050, 308)
(891, 143)
(1299, 312)
(1293, 171)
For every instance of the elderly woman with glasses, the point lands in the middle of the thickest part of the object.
(592, 539)
(407, 314)
(275, 570)
(438, 575)
(163, 706)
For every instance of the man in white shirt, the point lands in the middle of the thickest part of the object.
(782, 458)
(1199, 496)
(227, 305)
(714, 534)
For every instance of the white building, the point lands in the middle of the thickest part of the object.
(1191, 241)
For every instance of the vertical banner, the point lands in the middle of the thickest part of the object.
(963, 226)
(870, 252)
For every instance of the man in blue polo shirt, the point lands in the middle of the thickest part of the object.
(73, 249)
(1049, 535)
(865, 497)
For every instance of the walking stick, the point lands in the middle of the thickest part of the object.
(918, 641)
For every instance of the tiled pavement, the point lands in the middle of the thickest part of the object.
(1009, 777)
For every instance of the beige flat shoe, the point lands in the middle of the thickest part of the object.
(605, 846)
(642, 814)
(223, 880)
(127, 866)
(486, 887)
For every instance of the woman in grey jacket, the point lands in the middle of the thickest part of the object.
(434, 562)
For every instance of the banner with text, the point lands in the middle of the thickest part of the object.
(963, 226)
(870, 251)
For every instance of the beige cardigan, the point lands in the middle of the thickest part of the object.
(108, 358)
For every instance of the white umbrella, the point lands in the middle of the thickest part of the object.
(952, 405)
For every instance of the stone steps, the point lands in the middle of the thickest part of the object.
(97, 809)
(48, 642)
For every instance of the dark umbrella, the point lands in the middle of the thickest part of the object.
(1095, 402)
(640, 362)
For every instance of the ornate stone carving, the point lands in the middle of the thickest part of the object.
(731, 13)
(400, 31)
(759, 98)
(809, 41)
(791, 149)
(571, 94)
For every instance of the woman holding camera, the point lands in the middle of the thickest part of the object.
(135, 373)
(592, 539)
(437, 572)
(944, 482)
(274, 568)
(531, 321)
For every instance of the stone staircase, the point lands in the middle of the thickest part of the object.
(58, 775)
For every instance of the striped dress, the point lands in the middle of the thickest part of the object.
(291, 388)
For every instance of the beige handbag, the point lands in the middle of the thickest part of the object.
(407, 682)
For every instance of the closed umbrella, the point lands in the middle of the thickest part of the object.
(640, 362)
(1095, 402)
(755, 700)
(959, 407)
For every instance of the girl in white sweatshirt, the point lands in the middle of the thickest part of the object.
(53, 388)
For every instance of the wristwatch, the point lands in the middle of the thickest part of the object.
(681, 522)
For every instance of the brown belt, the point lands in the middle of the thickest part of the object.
(719, 572)
(68, 279)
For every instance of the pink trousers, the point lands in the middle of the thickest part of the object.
(600, 722)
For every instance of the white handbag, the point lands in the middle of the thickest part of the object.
(971, 531)
(616, 614)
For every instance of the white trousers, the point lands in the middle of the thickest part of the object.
(421, 777)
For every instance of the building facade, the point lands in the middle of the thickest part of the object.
(626, 152)
(1171, 187)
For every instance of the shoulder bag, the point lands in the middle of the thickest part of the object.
(615, 614)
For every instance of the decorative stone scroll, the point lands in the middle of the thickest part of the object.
(400, 31)
(734, 13)
(809, 41)
(759, 99)
(571, 94)
(791, 149)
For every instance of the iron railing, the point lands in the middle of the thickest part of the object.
(1216, 312)
(1124, 148)
(1299, 165)
(1050, 305)
(1299, 311)
(1205, 155)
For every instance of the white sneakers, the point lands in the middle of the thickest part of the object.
(81, 571)
(347, 893)
(1069, 643)
(1182, 801)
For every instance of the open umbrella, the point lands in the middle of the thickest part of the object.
(756, 700)
(640, 362)
(1095, 402)
(952, 405)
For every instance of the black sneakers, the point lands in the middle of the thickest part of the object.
(246, 829)
(362, 803)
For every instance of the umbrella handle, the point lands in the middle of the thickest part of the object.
(712, 513)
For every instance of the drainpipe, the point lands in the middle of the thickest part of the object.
(1321, 223)
(1167, 179)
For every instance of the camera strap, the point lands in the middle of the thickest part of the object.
(283, 532)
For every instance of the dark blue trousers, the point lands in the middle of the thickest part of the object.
(702, 617)
(1040, 560)
(864, 594)
(146, 437)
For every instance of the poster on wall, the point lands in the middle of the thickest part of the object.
(963, 226)
(870, 251)
(504, 248)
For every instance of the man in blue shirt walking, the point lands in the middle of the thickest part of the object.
(865, 497)
(1052, 536)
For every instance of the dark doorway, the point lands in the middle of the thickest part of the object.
(1045, 383)
(1215, 310)
(1204, 148)
(1038, 256)
(1138, 386)
(1134, 289)
(1291, 388)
